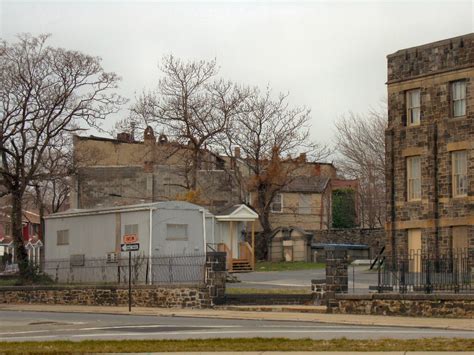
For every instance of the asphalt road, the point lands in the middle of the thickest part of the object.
(301, 279)
(43, 326)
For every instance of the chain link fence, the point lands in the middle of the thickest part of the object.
(157, 270)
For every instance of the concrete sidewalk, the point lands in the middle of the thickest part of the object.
(434, 323)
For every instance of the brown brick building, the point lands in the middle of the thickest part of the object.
(124, 171)
(430, 147)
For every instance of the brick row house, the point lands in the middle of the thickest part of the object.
(430, 148)
(32, 237)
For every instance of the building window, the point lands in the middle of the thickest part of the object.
(459, 169)
(131, 229)
(277, 204)
(458, 92)
(414, 178)
(176, 232)
(304, 204)
(8, 229)
(413, 107)
(62, 237)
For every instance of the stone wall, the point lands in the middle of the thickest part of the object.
(436, 57)
(374, 238)
(142, 296)
(414, 305)
(259, 299)
(431, 68)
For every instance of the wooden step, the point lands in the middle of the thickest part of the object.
(241, 265)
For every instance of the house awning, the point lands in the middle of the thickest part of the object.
(6, 241)
(237, 213)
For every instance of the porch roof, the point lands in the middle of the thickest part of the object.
(240, 213)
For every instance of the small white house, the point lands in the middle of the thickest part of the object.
(161, 228)
(172, 228)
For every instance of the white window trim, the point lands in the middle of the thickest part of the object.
(461, 99)
(281, 204)
(410, 190)
(411, 108)
(455, 186)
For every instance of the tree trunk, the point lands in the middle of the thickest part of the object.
(17, 232)
(41, 208)
(196, 167)
(264, 217)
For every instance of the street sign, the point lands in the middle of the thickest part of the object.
(130, 247)
(130, 239)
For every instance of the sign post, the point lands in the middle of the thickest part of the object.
(130, 243)
(130, 281)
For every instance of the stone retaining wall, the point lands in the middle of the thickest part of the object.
(415, 305)
(268, 299)
(142, 296)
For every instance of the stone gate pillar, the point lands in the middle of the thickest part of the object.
(337, 277)
(216, 276)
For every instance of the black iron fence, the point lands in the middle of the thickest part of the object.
(156, 270)
(424, 272)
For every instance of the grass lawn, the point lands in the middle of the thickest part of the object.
(287, 265)
(8, 282)
(253, 344)
(267, 291)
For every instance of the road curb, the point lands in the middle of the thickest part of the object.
(343, 319)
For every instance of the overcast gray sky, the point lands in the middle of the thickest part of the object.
(330, 56)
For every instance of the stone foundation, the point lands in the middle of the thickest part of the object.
(414, 305)
(142, 296)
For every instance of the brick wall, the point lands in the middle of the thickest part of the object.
(133, 184)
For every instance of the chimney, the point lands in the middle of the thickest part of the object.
(237, 152)
(303, 157)
(124, 137)
(149, 135)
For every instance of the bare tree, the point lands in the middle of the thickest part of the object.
(270, 135)
(360, 141)
(45, 93)
(191, 105)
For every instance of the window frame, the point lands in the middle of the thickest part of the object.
(455, 175)
(177, 237)
(7, 229)
(463, 97)
(410, 108)
(409, 173)
(272, 210)
(60, 234)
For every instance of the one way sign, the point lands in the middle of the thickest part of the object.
(130, 247)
